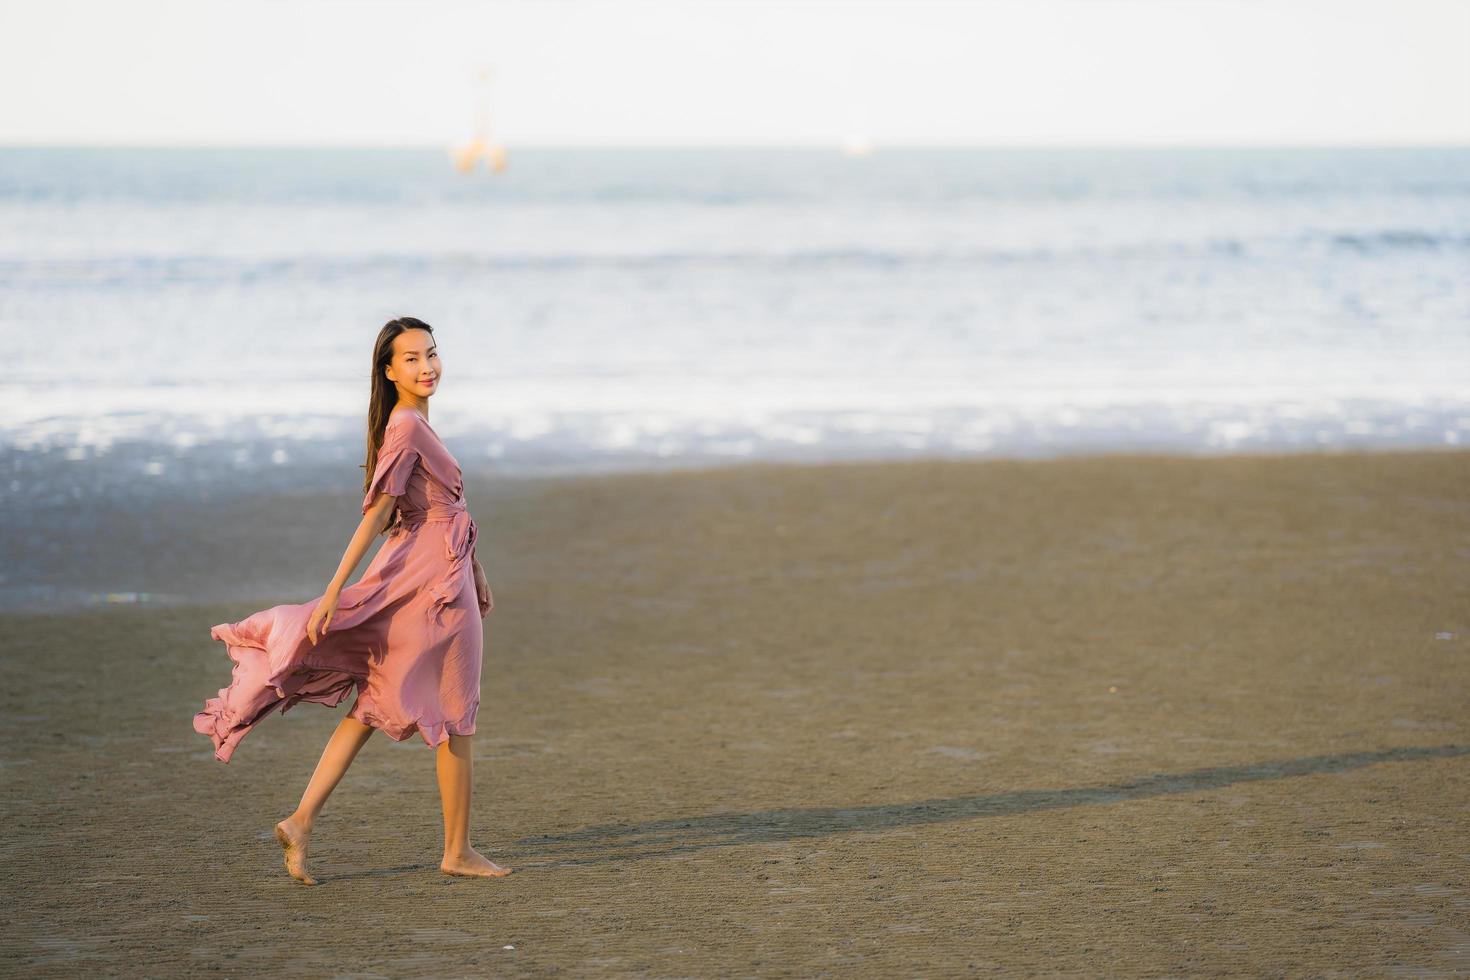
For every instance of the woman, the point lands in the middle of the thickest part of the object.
(408, 636)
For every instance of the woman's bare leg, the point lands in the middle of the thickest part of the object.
(455, 764)
(294, 832)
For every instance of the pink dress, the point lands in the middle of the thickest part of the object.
(408, 635)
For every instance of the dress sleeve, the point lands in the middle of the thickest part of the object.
(396, 460)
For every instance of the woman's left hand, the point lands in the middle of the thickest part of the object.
(482, 591)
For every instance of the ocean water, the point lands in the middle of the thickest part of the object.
(187, 319)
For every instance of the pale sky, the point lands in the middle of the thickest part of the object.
(695, 72)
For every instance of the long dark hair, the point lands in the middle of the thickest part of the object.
(383, 395)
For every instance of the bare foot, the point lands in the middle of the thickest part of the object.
(472, 864)
(293, 843)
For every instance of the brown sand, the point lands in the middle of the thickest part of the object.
(1136, 716)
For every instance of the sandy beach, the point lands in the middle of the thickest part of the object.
(1121, 715)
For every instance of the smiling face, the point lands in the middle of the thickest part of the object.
(415, 366)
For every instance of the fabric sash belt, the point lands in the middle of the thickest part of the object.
(460, 533)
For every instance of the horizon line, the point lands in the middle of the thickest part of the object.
(833, 145)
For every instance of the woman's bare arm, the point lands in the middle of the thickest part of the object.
(372, 524)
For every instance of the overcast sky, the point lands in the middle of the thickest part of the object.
(981, 72)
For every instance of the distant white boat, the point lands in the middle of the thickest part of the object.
(467, 156)
(857, 146)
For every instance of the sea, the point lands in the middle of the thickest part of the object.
(200, 320)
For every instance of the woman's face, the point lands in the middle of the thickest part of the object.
(415, 365)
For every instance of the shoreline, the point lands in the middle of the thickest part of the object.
(86, 576)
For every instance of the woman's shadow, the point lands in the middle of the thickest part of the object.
(658, 838)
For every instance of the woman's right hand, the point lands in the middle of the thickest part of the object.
(321, 617)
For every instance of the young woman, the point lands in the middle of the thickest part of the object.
(407, 636)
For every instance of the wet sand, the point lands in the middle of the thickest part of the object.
(1128, 715)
